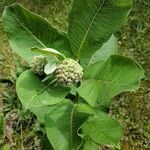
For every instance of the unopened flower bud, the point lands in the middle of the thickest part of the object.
(38, 63)
(69, 72)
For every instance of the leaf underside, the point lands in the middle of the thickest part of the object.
(105, 77)
(109, 48)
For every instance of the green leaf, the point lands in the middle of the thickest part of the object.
(102, 128)
(63, 122)
(117, 75)
(35, 95)
(90, 144)
(50, 67)
(109, 48)
(25, 30)
(49, 51)
(91, 23)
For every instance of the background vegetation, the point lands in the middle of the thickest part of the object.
(22, 131)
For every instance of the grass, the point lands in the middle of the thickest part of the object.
(131, 109)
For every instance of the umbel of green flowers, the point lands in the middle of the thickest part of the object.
(67, 72)
(38, 63)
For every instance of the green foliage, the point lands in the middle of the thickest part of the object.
(68, 120)
(50, 67)
(109, 48)
(25, 30)
(102, 82)
(64, 120)
(91, 27)
(102, 129)
(76, 124)
(48, 51)
(34, 94)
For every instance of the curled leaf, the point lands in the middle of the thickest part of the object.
(50, 67)
(49, 51)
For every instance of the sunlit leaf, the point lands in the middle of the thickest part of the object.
(63, 122)
(49, 51)
(50, 68)
(117, 75)
(90, 144)
(34, 94)
(102, 128)
(109, 48)
(92, 22)
(25, 30)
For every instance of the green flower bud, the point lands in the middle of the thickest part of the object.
(69, 72)
(38, 63)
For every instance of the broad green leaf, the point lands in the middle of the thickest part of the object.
(25, 30)
(91, 23)
(117, 75)
(109, 48)
(63, 122)
(90, 144)
(35, 95)
(49, 51)
(102, 128)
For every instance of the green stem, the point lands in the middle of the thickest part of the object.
(76, 98)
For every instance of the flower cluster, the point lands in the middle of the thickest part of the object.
(69, 72)
(38, 63)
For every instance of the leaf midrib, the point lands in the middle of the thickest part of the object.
(34, 96)
(107, 81)
(71, 126)
(24, 27)
(89, 27)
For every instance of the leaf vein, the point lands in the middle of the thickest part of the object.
(87, 32)
(27, 30)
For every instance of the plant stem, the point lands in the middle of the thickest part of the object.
(76, 98)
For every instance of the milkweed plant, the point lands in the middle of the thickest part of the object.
(73, 75)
